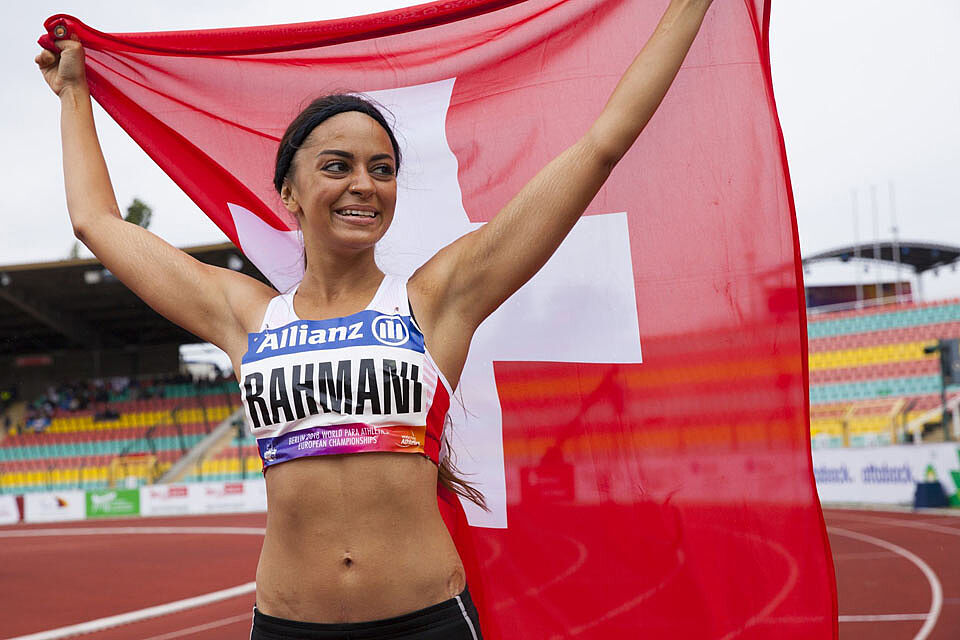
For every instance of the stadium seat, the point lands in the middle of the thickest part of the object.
(858, 358)
(76, 450)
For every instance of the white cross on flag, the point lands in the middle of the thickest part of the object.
(630, 497)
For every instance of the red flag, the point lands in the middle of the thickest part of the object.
(668, 494)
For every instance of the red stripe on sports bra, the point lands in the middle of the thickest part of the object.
(435, 419)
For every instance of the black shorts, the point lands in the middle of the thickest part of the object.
(452, 619)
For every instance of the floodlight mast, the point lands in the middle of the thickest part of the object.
(896, 240)
(856, 246)
(879, 294)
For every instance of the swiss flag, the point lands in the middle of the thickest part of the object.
(636, 414)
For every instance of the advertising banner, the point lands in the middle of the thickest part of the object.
(165, 500)
(255, 495)
(230, 497)
(885, 475)
(113, 503)
(9, 511)
(58, 506)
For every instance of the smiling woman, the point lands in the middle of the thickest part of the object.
(352, 360)
(344, 171)
(336, 172)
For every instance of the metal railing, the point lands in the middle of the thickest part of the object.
(916, 426)
(902, 299)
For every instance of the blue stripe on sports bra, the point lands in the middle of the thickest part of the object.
(366, 328)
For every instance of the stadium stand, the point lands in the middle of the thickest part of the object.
(109, 433)
(225, 465)
(70, 323)
(869, 375)
(71, 320)
(869, 378)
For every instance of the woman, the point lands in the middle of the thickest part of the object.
(351, 360)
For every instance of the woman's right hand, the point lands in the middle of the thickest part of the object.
(218, 305)
(66, 70)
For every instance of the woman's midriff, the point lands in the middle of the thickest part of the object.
(356, 537)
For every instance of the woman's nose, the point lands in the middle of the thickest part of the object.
(362, 183)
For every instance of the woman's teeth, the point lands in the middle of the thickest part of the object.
(356, 212)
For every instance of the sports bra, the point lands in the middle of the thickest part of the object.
(355, 384)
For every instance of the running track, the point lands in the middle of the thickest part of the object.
(898, 575)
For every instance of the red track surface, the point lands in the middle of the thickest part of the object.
(877, 581)
(55, 581)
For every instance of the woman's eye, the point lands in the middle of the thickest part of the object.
(336, 166)
(383, 170)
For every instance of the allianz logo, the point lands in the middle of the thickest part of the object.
(298, 336)
(390, 330)
(386, 329)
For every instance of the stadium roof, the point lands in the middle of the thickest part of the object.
(72, 304)
(920, 256)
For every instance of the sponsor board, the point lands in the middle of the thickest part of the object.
(230, 497)
(885, 475)
(157, 500)
(57, 506)
(9, 511)
(165, 500)
(575, 479)
(113, 503)
(204, 497)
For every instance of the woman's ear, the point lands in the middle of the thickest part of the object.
(289, 198)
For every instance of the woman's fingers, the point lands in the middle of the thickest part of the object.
(64, 66)
(45, 59)
(72, 42)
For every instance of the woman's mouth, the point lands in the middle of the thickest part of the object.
(362, 213)
(357, 217)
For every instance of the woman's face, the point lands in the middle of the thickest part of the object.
(343, 187)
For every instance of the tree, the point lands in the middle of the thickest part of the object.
(139, 213)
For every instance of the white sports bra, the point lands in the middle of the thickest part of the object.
(355, 384)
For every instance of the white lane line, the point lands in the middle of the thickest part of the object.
(182, 633)
(936, 591)
(141, 614)
(891, 617)
(923, 524)
(788, 585)
(866, 555)
(630, 604)
(890, 508)
(103, 531)
(532, 592)
(781, 620)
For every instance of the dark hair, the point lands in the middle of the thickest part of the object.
(449, 477)
(317, 112)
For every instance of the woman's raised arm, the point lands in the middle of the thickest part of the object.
(474, 275)
(208, 301)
